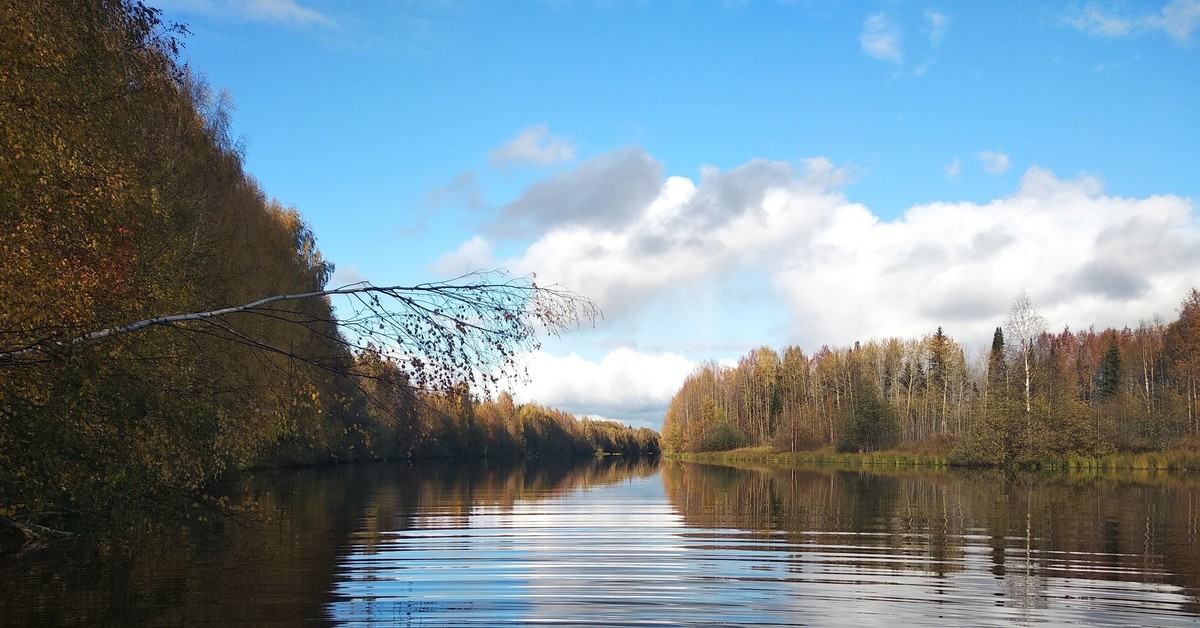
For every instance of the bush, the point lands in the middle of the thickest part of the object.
(723, 437)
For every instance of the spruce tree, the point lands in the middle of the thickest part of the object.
(1110, 371)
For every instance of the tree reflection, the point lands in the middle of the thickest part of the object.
(275, 564)
(1022, 529)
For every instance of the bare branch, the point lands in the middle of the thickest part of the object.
(440, 334)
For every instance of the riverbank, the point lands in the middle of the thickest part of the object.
(1175, 460)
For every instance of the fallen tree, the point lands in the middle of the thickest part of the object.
(439, 333)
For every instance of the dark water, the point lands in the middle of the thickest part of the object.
(631, 542)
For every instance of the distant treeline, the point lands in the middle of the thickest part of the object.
(1035, 395)
(122, 197)
(455, 424)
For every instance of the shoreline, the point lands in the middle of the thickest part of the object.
(1173, 460)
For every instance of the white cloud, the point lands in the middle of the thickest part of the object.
(1092, 20)
(840, 272)
(994, 161)
(534, 145)
(272, 11)
(684, 231)
(1087, 258)
(473, 255)
(881, 39)
(820, 173)
(1178, 18)
(937, 25)
(624, 385)
(287, 12)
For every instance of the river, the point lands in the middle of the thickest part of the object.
(624, 542)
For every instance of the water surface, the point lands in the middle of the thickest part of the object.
(621, 542)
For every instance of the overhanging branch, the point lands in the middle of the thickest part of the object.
(439, 331)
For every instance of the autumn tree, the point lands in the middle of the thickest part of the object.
(162, 321)
(1182, 340)
(797, 427)
(1069, 393)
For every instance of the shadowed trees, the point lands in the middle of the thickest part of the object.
(163, 321)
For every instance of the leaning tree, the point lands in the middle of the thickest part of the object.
(440, 334)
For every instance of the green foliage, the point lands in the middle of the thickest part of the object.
(872, 425)
(997, 373)
(723, 436)
(1109, 383)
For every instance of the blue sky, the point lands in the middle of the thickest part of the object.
(723, 175)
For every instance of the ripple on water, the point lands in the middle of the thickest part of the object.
(568, 560)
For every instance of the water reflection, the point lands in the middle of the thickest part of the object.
(980, 547)
(567, 556)
(612, 542)
(277, 565)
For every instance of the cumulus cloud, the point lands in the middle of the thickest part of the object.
(533, 145)
(839, 271)
(994, 161)
(881, 39)
(1179, 19)
(607, 190)
(470, 256)
(1083, 255)
(687, 231)
(843, 273)
(624, 385)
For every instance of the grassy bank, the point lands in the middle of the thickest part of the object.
(821, 457)
(1169, 460)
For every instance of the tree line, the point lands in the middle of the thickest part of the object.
(139, 354)
(1033, 395)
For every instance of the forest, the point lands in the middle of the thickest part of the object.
(1034, 395)
(124, 199)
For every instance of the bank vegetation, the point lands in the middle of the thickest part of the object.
(163, 321)
(1122, 398)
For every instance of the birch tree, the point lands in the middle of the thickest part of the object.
(1022, 328)
(441, 333)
